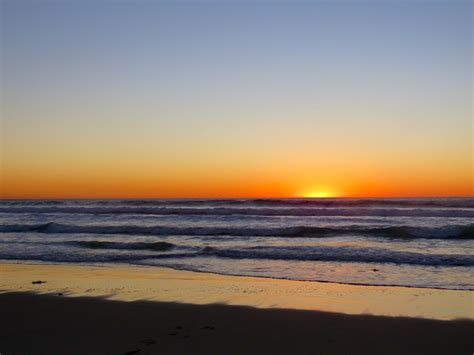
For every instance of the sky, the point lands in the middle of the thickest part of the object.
(236, 98)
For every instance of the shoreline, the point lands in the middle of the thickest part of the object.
(302, 280)
(138, 283)
(33, 262)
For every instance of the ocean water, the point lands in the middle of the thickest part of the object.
(406, 242)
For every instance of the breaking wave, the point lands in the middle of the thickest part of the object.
(296, 253)
(255, 211)
(95, 244)
(344, 254)
(446, 232)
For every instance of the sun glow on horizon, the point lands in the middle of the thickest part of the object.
(256, 112)
(320, 193)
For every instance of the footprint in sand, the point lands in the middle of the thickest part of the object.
(133, 352)
(148, 342)
(209, 327)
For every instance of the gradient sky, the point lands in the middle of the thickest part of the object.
(236, 98)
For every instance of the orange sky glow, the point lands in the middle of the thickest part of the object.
(318, 99)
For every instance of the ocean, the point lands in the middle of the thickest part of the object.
(406, 242)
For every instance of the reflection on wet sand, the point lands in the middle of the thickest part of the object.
(161, 284)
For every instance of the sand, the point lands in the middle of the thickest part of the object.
(118, 310)
(166, 285)
(46, 324)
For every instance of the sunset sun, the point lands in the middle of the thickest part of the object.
(320, 193)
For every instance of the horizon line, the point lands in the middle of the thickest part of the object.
(235, 198)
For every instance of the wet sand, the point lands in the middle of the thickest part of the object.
(166, 285)
(66, 309)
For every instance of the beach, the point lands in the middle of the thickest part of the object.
(71, 309)
(425, 243)
(236, 177)
(237, 276)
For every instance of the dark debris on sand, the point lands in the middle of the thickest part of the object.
(39, 282)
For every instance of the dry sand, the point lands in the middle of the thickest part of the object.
(115, 310)
(46, 324)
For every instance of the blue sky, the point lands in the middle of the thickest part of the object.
(177, 88)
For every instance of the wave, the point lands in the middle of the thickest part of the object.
(311, 202)
(445, 232)
(349, 202)
(344, 254)
(221, 211)
(313, 253)
(31, 202)
(282, 202)
(91, 257)
(95, 244)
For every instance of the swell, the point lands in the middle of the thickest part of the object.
(315, 253)
(464, 203)
(261, 211)
(95, 244)
(310, 202)
(446, 232)
(344, 254)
